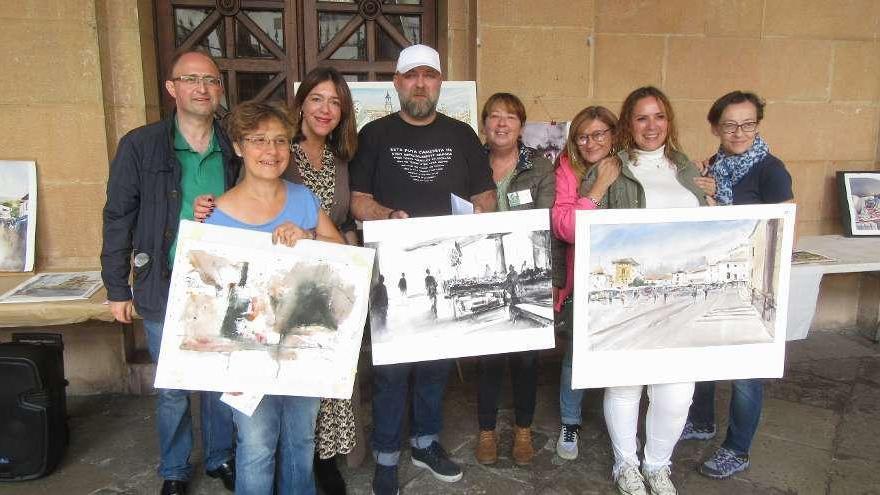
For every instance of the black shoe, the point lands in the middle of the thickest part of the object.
(173, 487)
(328, 477)
(385, 480)
(226, 472)
(436, 460)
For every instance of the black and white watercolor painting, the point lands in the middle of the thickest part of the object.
(248, 316)
(460, 286)
(688, 294)
(547, 138)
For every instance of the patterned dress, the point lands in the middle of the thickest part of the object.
(335, 432)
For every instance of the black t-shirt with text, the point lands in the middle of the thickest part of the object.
(415, 168)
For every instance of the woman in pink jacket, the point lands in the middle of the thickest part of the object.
(589, 144)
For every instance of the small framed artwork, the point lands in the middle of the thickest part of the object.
(859, 196)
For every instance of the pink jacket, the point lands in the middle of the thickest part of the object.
(562, 219)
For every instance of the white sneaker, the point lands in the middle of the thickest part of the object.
(659, 482)
(630, 482)
(567, 444)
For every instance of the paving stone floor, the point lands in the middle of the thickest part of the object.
(820, 434)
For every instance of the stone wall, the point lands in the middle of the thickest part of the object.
(78, 74)
(817, 64)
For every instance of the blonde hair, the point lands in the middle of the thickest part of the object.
(627, 141)
(578, 165)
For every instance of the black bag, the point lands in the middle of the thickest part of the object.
(33, 406)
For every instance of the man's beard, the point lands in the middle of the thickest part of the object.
(418, 109)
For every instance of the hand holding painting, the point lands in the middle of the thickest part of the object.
(288, 233)
(202, 207)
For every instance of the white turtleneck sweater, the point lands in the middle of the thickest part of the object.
(656, 174)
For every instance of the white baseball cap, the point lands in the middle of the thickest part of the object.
(416, 56)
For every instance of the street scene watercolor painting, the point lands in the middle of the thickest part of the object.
(713, 283)
(460, 286)
(859, 194)
(375, 99)
(55, 286)
(18, 215)
(259, 318)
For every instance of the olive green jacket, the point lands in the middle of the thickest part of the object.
(536, 173)
(627, 192)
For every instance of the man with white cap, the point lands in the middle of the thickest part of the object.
(407, 165)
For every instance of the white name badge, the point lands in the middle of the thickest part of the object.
(518, 198)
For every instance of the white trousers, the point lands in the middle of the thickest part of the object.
(667, 413)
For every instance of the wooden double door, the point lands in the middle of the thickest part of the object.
(264, 46)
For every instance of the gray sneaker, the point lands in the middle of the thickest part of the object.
(629, 481)
(724, 463)
(567, 444)
(659, 483)
(698, 432)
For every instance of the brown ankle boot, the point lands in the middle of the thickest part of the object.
(487, 447)
(523, 452)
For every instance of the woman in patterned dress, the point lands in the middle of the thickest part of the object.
(325, 139)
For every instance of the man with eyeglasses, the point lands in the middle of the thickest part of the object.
(406, 165)
(156, 174)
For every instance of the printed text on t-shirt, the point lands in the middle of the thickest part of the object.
(422, 165)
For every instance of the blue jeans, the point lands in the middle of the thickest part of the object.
(276, 446)
(746, 401)
(569, 400)
(390, 390)
(174, 422)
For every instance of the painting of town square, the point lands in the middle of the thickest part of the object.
(255, 317)
(859, 194)
(690, 284)
(372, 100)
(55, 286)
(18, 219)
(547, 138)
(460, 286)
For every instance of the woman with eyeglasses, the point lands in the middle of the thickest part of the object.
(654, 173)
(584, 172)
(746, 173)
(524, 180)
(324, 140)
(280, 435)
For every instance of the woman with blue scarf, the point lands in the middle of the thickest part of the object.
(745, 173)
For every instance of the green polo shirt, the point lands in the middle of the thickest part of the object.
(201, 173)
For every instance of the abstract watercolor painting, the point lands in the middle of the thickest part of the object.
(689, 294)
(245, 315)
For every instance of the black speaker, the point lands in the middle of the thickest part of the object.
(33, 406)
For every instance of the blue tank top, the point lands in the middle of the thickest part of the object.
(300, 207)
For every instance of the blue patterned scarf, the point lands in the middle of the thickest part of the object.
(729, 169)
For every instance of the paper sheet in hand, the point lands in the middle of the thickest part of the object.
(461, 206)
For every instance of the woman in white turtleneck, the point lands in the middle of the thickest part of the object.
(653, 173)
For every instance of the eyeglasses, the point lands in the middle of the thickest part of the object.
(263, 142)
(194, 80)
(731, 127)
(598, 137)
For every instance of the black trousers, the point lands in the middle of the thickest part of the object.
(523, 377)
